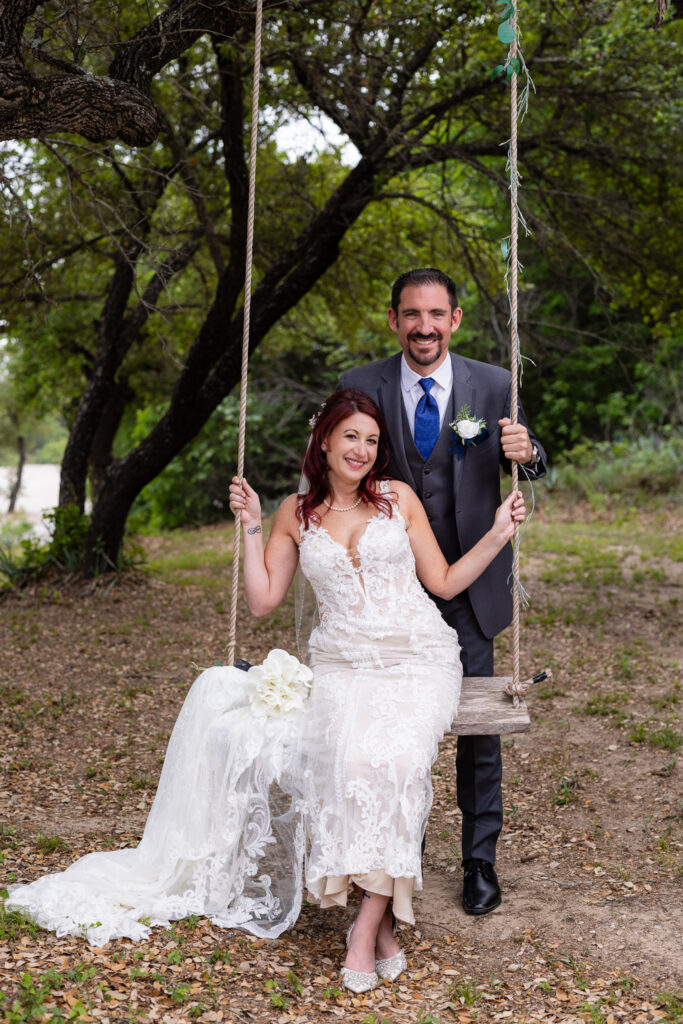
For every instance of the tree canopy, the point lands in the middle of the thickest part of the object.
(123, 270)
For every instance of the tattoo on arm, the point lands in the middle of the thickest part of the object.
(367, 895)
(254, 529)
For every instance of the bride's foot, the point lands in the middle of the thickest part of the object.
(390, 959)
(386, 945)
(361, 947)
(358, 973)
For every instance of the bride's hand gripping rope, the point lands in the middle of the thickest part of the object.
(245, 500)
(510, 512)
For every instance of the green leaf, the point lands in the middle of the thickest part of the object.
(516, 65)
(509, 72)
(506, 33)
(508, 12)
(496, 71)
(504, 248)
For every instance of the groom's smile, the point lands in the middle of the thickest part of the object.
(425, 349)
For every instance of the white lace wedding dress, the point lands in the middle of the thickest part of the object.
(244, 801)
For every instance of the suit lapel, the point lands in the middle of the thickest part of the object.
(391, 403)
(463, 394)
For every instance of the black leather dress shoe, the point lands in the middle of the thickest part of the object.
(480, 890)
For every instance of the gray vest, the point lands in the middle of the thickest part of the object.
(433, 480)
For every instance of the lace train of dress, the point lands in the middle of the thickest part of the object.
(221, 839)
(243, 799)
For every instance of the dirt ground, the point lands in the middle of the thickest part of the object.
(590, 859)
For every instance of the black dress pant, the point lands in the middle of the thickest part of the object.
(479, 762)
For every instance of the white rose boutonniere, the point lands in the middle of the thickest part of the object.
(468, 429)
(281, 685)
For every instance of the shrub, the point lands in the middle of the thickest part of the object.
(634, 470)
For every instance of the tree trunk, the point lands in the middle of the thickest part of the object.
(98, 390)
(213, 365)
(101, 448)
(16, 486)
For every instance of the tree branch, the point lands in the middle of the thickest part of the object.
(100, 107)
(96, 108)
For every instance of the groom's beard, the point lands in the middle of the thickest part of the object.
(421, 357)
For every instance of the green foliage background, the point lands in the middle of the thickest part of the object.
(599, 304)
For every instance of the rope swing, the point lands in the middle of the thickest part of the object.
(485, 707)
(514, 65)
(246, 324)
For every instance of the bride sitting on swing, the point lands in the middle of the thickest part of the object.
(386, 665)
(256, 780)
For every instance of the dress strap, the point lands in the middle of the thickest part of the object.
(386, 490)
(300, 517)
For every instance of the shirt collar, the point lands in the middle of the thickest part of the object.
(443, 375)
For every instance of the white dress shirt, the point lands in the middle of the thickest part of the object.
(412, 391)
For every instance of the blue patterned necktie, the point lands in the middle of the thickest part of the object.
(426, 420)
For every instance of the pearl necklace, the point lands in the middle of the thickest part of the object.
(337, 508)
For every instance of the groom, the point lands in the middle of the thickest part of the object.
(421, 391)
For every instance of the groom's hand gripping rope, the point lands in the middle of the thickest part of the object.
(515, 441)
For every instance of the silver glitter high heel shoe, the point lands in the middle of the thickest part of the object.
(392, 967)
(357, 981)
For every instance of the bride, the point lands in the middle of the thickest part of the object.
(258, 782)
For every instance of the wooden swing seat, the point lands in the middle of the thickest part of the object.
(487, 710)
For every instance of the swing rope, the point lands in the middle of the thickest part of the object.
(516, 688)
(513, 689)
(246, 324)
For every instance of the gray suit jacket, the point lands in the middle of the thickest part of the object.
(475, 478)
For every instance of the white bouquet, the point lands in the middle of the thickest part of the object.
(280, 685)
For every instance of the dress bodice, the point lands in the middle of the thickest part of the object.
(370, 594)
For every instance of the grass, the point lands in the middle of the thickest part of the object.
(605, 703)
(667, 701)
(597, 543)
(14, 926)
(666, 738)
(672, 1002)
(464, 993)
(192, 557)
(50, 844)
(567, 791)
(34, 1003)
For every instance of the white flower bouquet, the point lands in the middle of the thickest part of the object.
(280, 685)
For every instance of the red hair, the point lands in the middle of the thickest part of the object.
(339, 406)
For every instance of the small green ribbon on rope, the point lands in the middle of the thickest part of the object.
(507, 34)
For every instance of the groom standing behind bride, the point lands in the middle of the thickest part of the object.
(421, 391)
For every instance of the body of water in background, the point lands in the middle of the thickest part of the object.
(39, 493)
